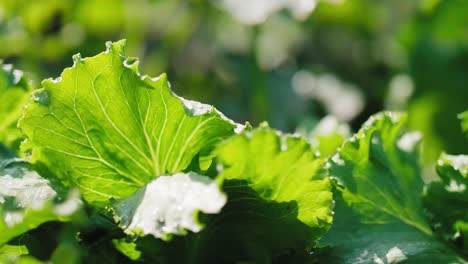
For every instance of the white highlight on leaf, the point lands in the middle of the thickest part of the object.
(130, 63)
(338, 160)
(28, 191)
(455, 187)
(395, 117)
(409, 140)
(57, 80)
(239, 128)
(284, 143)
(395, 255)
(196, 108)
(77, 58)
(170, 202)
(459, 162)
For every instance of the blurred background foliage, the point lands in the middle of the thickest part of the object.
(290, 62)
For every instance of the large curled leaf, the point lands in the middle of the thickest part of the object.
(169, 205)
(380, 218)
(14, 94)
(26, 200)
(109, 130)
(447, 200)
(279, 199)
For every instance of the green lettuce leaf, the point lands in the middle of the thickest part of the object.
(447, 200)
(279, 204)
(106, 129)
(379, 173)
(380, 215)
(353, 240)
(169, 205)
(27, 200)
(14, 94)
(280, 199)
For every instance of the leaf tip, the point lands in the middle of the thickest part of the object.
(132, 63)
(77, 59)
(118, 46)
(264, 125)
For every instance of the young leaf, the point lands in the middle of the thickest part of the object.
(279, 199)
(108, 130)
(169, 205)
(447, 200)
(14, 94)
(379, 212)
(379, 173)
(26, 200)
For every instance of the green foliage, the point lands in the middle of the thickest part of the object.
(169, 180)
(380, 215)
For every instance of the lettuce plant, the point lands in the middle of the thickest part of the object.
(124, 170)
